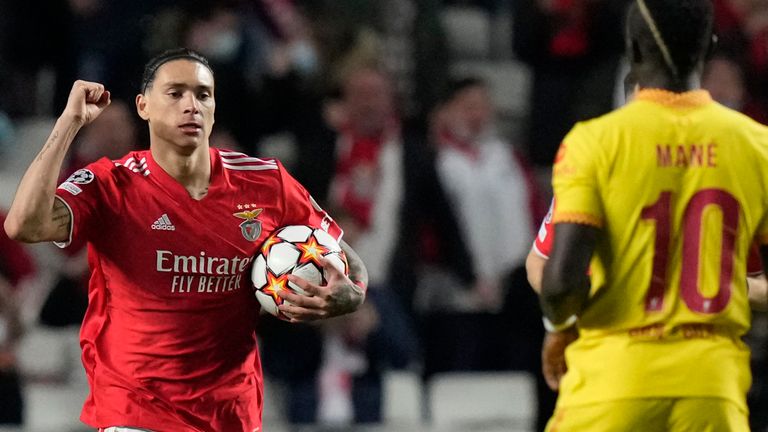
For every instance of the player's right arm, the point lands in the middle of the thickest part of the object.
(36, 215)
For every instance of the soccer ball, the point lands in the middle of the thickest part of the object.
(293, 249)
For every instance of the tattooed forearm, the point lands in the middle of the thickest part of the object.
(348, 297)
(357, 270)
(61, 216)
(345, 299)
(48, 145)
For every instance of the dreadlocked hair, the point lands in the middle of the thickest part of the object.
(676, 32)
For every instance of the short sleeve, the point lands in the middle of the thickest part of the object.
(82, 193)
(575, 179)
(299, 208)
(542, 245)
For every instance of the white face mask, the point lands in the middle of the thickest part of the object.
(223, 46)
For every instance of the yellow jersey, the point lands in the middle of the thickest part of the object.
(678, 185)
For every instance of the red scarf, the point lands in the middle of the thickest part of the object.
(357, 174)
(449, 139)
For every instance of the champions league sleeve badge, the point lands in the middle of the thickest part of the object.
(81, 176)
(250, 227)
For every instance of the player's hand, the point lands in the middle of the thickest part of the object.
(87, 100)
(553, 363)
(338, 297)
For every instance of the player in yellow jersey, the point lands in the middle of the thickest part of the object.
(661, 200)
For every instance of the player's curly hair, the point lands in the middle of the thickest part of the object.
(150, 70)
(676, 33)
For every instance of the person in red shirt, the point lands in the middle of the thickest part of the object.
(168, 340)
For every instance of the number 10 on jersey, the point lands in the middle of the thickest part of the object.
(691, 226)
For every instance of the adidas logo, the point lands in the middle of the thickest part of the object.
(163, 224)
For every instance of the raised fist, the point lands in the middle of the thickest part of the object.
(86, 101)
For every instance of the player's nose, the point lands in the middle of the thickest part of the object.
(190, 103)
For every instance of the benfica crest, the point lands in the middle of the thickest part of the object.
(250, 227)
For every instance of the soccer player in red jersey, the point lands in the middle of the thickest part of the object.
(168, 340)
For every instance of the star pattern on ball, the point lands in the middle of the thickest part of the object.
(275, 284)
(268, 243)
(311, 251)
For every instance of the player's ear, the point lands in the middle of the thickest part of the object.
(141, 106)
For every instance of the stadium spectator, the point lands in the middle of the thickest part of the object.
(492, 197)
(573, 48)
(725, 78)
(404, 36)
(15, 266)
(168, 338)
(367, 192)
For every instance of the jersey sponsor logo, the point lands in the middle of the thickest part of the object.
(70, 187)
(250, 227)
(163, 223)
(81, 176)
(201, 273)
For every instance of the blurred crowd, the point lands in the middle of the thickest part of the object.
(438, 189)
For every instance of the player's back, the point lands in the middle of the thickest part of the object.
(680, 186)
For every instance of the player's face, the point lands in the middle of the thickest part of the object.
(180, 104)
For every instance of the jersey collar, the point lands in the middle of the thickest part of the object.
(689, 99)
(174, 188)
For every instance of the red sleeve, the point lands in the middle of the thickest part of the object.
(299, 208)
(83, 193)
(754, 263)
(543, 243)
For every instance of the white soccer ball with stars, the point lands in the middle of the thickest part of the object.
(293, 249)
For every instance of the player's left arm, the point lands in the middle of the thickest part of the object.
(565, 284)
(341, 295)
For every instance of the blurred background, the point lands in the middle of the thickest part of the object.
(427, 128)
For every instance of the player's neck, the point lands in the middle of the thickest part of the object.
(193, 171)
(665, 82)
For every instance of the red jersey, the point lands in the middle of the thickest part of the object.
(542, 245)
(168, 340)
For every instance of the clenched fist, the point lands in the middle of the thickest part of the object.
(86, 101)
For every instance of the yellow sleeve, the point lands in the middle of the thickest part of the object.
(575, 180)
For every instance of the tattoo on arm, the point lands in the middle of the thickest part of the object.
(48, 145)
(348, 298)
(61, 218)
(357, 270)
